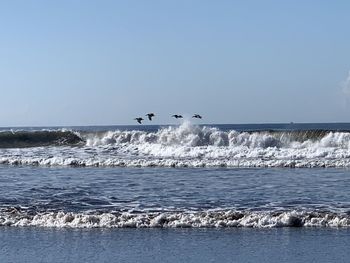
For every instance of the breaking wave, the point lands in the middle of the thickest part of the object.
(195, 136)
(205, 219)
(186, 145)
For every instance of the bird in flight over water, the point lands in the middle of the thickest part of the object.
(177, 116)
(197, 116)
(139, 120)
(150, 116)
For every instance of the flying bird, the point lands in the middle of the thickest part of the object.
(197, 116)
(177, 116)
(150, 116)
(139, 120)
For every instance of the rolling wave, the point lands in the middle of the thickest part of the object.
(204, 219)
(22, 139)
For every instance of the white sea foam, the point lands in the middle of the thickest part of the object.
(186, 135)
(206, 219)
(192, 146)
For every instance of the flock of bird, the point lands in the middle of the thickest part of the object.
(176, 116)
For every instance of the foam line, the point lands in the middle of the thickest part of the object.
(205, 219)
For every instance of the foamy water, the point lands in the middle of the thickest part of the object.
(186, 145)
(114, 197)
(205, 219)
(125, 177)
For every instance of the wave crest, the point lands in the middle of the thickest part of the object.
(22, 139)
(205, 219)
(185, 135)
(195, 136)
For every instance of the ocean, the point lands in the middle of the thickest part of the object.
(175, 193)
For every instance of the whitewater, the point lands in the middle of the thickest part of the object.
(127, 197)
(186, 145)
(176, 176)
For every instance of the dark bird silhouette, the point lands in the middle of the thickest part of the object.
(177, 116)
(197, 116)
(150, 116)
(139, 120)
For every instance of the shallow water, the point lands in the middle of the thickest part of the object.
(168, 197)
(174, 245)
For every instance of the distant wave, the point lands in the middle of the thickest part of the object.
(186, 145)
(21, 139)
(205, 219)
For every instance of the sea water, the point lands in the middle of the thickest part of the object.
(220, 193)
(174, 245)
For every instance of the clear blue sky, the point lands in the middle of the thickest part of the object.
(107, 62)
